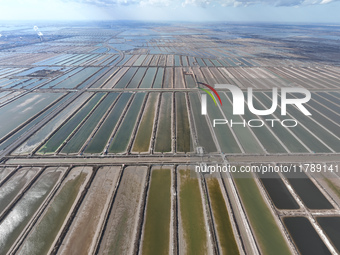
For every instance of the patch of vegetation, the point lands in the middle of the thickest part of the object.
(192, 216)
(221, 217)
(157, 222)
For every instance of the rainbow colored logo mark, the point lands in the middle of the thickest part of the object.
(209, 93)
(204, 97)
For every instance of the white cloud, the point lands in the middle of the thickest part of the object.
(326, 1)
(161, 3)
(193, 10)
(202, 3)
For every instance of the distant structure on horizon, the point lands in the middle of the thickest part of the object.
(40, 34)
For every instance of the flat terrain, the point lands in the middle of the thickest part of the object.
(101, 131)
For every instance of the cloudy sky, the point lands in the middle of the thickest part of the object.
(326, 11)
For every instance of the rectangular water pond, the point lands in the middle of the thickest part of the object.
(148, 78)
(163, 136)
(204, 135)
(192, 229)
(156, 234)
(310, 195)
(278, 191)
(331, 226)
(183, 134)
(142, 140)
(305, 237)
(23, 108)
(221, 217)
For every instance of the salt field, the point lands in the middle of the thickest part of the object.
(111, 134)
